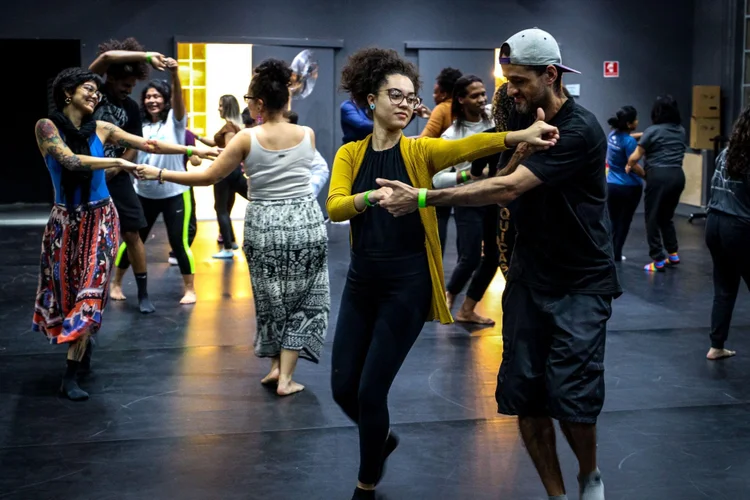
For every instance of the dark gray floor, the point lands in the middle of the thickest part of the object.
(177, 410)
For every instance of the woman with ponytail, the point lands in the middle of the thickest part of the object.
(80, 239)
(286, 244)
(624, 189)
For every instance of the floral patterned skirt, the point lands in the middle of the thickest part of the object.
(78, 250)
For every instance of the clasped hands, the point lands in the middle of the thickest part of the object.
(401, 199)
(150, 173)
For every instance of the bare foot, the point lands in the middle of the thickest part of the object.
(714, 354)
(472, 317)
(289, 388)
(115, 292)
(449, 300)
(271, 378)
(188, 298)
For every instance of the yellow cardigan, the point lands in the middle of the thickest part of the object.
(424, 157)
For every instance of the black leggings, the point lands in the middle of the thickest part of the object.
(478, 254)
(176, 211)
(622, 201)
(384, 306)
(728, 239)
(664, 185)
(224, 192)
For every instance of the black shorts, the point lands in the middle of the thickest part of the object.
(127, 203)
(553, 354)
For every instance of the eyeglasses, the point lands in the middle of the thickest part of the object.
(248, 97)
(90, 90)
(397, 97)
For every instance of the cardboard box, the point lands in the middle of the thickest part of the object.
(706, 101)
(702, 132)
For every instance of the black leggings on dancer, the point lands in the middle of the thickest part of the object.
(224, 192)
(384, 306)
(176, 211)
(476, 262)
(728, 239)
(622, 201)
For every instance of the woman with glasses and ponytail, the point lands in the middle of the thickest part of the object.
(395, 280)
(80, 239)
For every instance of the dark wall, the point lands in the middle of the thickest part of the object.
(653, 40)
(717, 47)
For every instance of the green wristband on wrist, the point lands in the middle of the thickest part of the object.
(189, 151)
(367, 198)
(464, 176)
(422, 198)
(148, 57)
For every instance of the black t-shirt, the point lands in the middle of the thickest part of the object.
(564, 239)
(375, 232)
(124, 114)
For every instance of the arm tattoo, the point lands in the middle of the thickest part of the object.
(70, 162)
(46, 134)
(522, 152)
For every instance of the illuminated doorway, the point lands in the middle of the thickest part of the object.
(208, 71)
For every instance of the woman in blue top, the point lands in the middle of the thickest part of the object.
(624, 189)
(80, 239)
(663, 145)
(728, 231)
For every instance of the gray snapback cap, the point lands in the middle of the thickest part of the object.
(534, 47)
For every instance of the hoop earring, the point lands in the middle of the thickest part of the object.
(67, 100)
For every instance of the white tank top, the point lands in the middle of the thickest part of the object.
(279, 174)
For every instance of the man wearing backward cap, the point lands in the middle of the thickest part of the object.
(562, 277)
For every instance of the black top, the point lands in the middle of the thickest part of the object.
(564, 241)
(375, 232)
(124, 114)
(728, 195)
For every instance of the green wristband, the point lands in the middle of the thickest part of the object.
(367, 198)
(422, 199)
(148, 57)
(464, 176)
(189, 151)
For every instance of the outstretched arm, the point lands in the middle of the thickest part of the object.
(441, 154)
(501, 190)
(178, 103)
(50, 143)
(235, 152)
(104, 61)
(115, 135)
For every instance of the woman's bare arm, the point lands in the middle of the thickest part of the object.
(50, 143)
(115, 135)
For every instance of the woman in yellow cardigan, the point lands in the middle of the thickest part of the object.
(395, 280)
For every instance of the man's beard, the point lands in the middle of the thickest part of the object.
(530, 105)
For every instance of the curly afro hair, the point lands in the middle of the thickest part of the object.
(447, 79)
(738, 152)
(270, 84)
(368, 69)
(126, 70)
(502, 107)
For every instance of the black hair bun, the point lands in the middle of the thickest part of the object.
(274, 70)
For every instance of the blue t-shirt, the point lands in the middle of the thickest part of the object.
(620, 145)
(99, 189)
